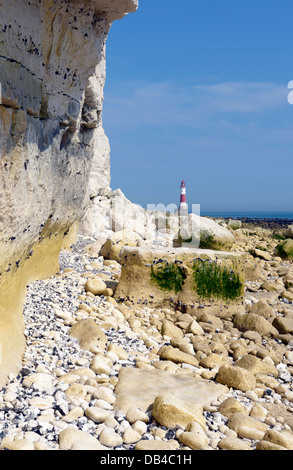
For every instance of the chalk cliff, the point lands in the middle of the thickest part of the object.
(54, 154)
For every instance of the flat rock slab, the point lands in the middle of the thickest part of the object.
(139, 388)
(263, 295)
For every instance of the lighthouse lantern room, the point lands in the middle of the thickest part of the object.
(183, 204)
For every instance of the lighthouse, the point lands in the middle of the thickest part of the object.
(183, 204)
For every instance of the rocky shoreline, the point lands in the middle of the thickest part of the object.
(266, 223)
(85, 351)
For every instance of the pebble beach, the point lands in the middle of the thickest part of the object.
(64, 395)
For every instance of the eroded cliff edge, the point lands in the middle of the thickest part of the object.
(54, 154)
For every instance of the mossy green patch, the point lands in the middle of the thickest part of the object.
(184, 240)
(209, 242)
(278, 236)
(168, 276)
(285, 249)
(212, 280)
(206, 240)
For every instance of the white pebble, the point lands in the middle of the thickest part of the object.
(140, 427)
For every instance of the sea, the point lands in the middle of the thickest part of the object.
(249, 214)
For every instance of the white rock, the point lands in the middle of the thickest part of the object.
(100, 366)
(71, 438)
(130, 436)
(10, 396)
(110, 438)
(103, 404)
(135, 414)
(104, 393)
(40, 380)
(140, 427)
(290, 357)
(42, 403)
(75, 413)
(97, 414)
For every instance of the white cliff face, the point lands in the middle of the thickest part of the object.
(54, 154)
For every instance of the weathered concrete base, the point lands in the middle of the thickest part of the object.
(147, 279)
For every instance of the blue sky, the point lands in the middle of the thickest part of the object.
(198, 90)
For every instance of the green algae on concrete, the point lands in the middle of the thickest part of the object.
(168, 276)
(212, 280)
(164, 277)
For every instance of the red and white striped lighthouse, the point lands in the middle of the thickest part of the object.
(183, 204)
